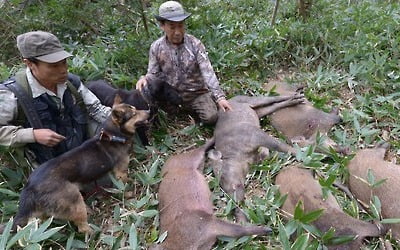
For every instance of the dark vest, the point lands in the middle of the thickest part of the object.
(70, 121)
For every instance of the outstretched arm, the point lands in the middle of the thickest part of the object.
(224, 105)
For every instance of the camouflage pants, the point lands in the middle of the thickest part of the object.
(201, 106)
(204, 107)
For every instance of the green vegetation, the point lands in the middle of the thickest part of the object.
(347, 53)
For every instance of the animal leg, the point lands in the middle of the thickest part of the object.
(259, 101)
(262, 154)
(224, 228)
(381, 149)
(121, 170)
(79, 216)
(68, 204)
(267, 110)
(240, 216)
(274, 144)
(215, 160)
(27, 205)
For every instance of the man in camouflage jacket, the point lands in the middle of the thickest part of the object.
(182, 60)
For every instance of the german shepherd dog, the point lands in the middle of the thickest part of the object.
(157, 93)
(53, 187)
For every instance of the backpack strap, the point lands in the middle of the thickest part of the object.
(20, 78)
(19, 88)
(73, 85)
(20, 84)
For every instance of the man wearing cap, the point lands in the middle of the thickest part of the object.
(182, 60)
(54, 117)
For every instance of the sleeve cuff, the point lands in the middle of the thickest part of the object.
(25, 135)
(220, 98)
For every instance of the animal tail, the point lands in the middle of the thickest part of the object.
(224, 228)
(27, 205)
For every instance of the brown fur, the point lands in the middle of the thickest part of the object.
(301, 123)
(388, 192)
(186, 210)
(53, 187)
(299, 184)
(241, 141)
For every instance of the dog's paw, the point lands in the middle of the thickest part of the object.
(129, 195)
(122, 176)
(85, 228)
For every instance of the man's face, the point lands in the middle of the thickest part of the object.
(49, 73)
(174, 31)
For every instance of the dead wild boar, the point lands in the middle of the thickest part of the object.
(186, 210)
(299, 184)
(388, 192)
(301, 123)
(240, 141)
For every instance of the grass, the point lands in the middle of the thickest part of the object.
(346, 54)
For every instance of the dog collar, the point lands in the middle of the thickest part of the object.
(104, 135)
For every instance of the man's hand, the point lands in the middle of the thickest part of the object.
(47, 137)
(141, 83)
(224, 105)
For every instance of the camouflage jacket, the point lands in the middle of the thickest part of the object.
(185, 67)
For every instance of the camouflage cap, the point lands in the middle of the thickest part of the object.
(171, 11)
(41, 45)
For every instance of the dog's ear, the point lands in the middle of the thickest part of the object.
(117, 116)
(117, 100)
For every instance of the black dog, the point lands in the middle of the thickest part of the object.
(53, 187)
(155, 94)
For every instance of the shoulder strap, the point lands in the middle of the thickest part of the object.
(20, 78)
(20, 89)
(73, 84)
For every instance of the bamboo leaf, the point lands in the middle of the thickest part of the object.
(390, 221)
(70, 241)
(133, 237)
(283, 237)
(301, 242)
(162, 237)
(311, 216)
(298, 211)
(47, 234)
(148, 213)
(41, 229)
(6, 234)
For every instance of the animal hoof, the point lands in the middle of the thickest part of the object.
(344, 150)
(268, 230)
(384, 145)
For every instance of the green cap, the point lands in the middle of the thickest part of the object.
(171, 11)
(41, 45)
